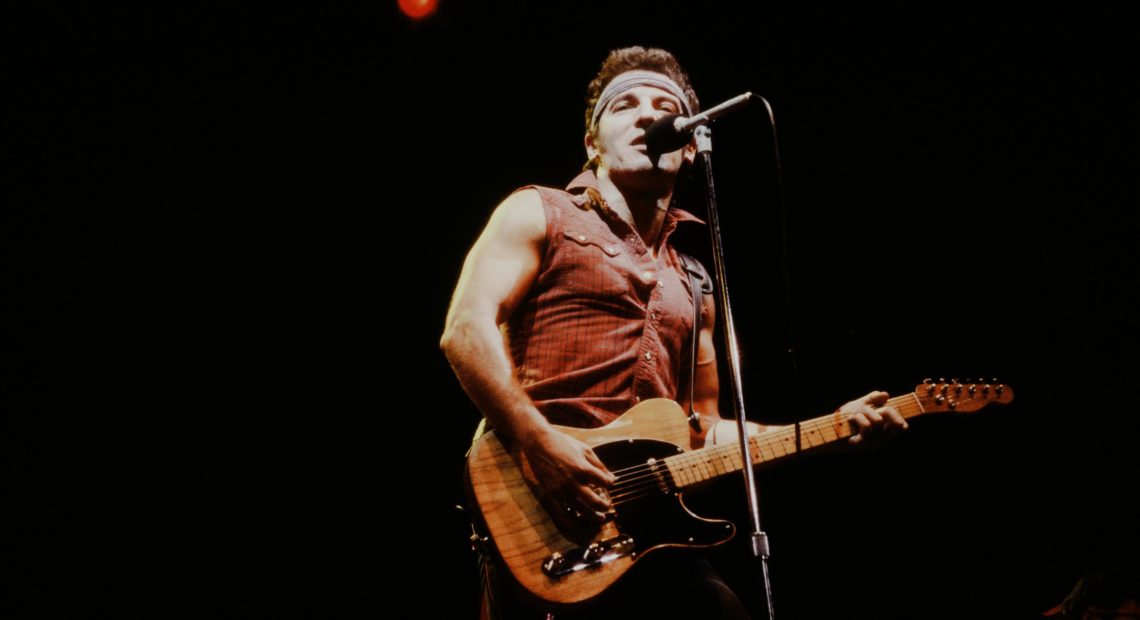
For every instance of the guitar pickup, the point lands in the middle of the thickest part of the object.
(594, 555)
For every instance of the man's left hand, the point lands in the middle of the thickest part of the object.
(872, 418)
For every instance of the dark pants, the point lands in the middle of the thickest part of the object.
(661, 586)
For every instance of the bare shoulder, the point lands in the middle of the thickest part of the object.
(505, 259)
(520, 217)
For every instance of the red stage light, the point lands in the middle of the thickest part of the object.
(418, 9)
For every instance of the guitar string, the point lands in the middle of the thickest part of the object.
(645, 479)
(651, 483)
(813, 425)
(772, 443)
(650, 477)
(764, 442)
(634, 481)
(637, 487)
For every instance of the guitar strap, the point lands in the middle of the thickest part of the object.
(700, 284)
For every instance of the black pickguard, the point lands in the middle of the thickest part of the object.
(657, 516)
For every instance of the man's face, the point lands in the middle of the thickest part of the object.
(620, 141)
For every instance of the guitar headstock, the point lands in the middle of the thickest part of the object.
(956, 396)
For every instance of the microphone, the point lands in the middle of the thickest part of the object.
(670, 133)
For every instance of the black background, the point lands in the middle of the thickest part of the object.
(230, 236)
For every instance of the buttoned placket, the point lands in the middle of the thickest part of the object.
(655, 298)
(651, 272)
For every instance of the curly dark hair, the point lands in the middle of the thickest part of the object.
(627, 59)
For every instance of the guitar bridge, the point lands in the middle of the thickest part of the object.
(594, 555)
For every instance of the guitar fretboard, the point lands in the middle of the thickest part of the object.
(697, 466)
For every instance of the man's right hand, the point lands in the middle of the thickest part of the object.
(569, 474)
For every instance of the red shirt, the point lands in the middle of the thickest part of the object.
(605, 325)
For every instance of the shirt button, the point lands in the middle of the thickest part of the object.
(649, 357)
(637, 399)
(660, 285)
(653, 315)
(581, 237)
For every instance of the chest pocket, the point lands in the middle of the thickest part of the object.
(594, 270)
(609, 248)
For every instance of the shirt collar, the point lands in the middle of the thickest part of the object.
(588, 180)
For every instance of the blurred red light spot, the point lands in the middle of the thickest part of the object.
(418, 9)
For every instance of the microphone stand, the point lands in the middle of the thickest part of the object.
(758, 538)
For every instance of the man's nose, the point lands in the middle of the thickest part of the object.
(646, 114)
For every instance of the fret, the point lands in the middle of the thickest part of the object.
(702, 465)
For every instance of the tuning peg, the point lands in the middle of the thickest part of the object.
(972, 389)
(958, 388)
(930, 389)
(945, 387)
(952, 404)
(942, 379)
(1000, 389)
(954, 380)
(926, 381)
(940, 400)
(986, 389)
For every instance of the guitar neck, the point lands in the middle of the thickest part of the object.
(698, 466)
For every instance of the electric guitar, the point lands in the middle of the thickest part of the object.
(564, 561)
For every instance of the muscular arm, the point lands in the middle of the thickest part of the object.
(496, 276)
(497, 273)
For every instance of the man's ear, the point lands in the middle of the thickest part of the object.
(690, 152)
(591, 150)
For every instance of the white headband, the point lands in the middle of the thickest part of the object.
(632, 79)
